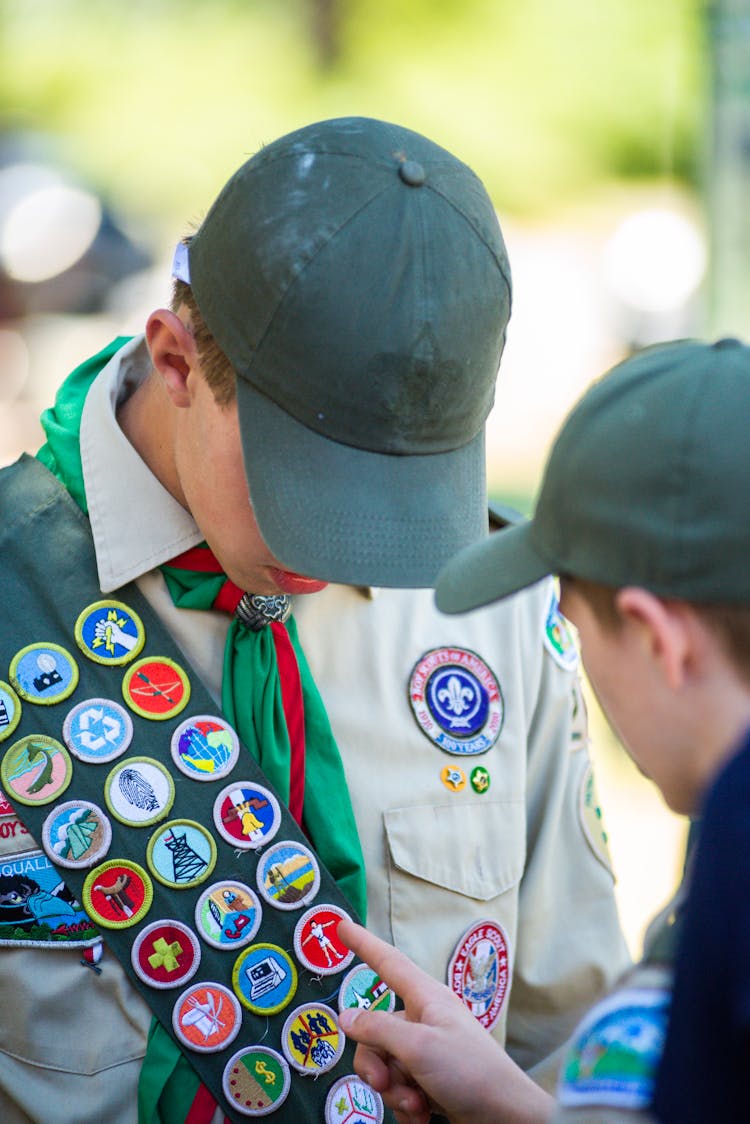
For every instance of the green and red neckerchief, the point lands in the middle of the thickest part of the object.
(269, 696)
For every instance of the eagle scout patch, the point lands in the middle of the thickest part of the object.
(558, 639)
(228, 914)
(591, 819)
(312, 1040)
(264, 978)
(363, 989)
(156, 687)
(205, 748)
(350, 1101)
(97, 730)
(10, 710)
(36, 907)
(36, 769)
(316, 941)
(616, 1051)
(43, 673)
(247, 815)
(479, 972)
(288, 875)
(256, 1081)
(165, 954)
(139, 791)
(456, 701)
(207, 1017)
(109, 632)
(181, 853)
(76, 834)
(117, 894)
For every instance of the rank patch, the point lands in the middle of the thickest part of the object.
(480, 779)
(44, 673)
(109, 632)
(350, 1101)
(457, 701)
(181, 853)
(316, 941)
(165, 954)
(139, 791)
(205, 748)
(453, 777)
(364, 989)
(247, 815)
(228, 914)
(36, 907)
(156, 687)
(311, 1039)
(76, 834)
(118, 894)
(10, 710)
(97, 730)
(558, 639)
(264, 978)
(256, 1081)
(207, 1017)
(36, 769)
(288, 875)
(478, 971)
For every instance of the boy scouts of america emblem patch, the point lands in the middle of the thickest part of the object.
(456, 701)
(350, 1101)
(478, 971)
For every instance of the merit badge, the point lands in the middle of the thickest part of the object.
(36, 769)
(480, 779)
(10, 710)
(207, 1017)
(457, 701)
(350, 1101)
(591, 819)
(181, 853)
(165, 954)
(97, 730)
(453, 777)
(76, 834)
(616, 1051)
(288, 875)
(363, 988)
(44, 673)
(316, 941)
(205, 748)
(36, 907)
(246, 815)
(558, 639)
(109, 632)
(256, 1081)
(312, 1040)
(478, 971)
(156, 687)
(264, 978)
(117, 894)
(139, 791)
(228, 914)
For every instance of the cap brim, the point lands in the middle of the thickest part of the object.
(343, 514)
(490, 570)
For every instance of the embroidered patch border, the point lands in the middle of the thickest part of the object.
(253, 827)
(21, 873)
(264, 970)
(162, 690)
(131, 879)
(139, 791)
(10, 710)
(222, 926)
(312, 1039)
(189, 866)
(47, 657)
(202, 1010)
(362, 988)
(77, 845)
(316, 931)
(350, 1101)
(153, 968)
(457, 701)
(288, 875)
(483, 997)
(54, 775)
(244, 1091)
(109, 632)
(203, 754)
(97, 730)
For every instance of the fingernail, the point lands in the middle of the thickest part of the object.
(347, 1019)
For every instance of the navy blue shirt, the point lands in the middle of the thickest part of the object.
(704, 1076)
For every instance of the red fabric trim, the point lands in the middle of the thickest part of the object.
(228, 597)
(294, 712)
(198, 558)
(202, 1108)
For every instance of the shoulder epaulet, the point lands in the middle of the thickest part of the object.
(501, 515)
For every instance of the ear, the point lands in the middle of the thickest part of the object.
(173, 353)
(663, 628)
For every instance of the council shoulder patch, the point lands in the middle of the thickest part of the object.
(363, 988)
(616, 1051)
(288, 875)
(36, 769)
(36, 907)
(205, 748)
(456, 701)
(228, 914)
(558, 639)
(156, 687)
(479, 971)
(181, 854)
(316, 941)
(97, 730)
(43, 673)
(10, 710)
(256, 1080)
(264, 978)
(109, 632)
(247, 815)
(139, 791)
(207, 1017)
(165, 954)
(350, 1101)
(117, 894)
(76, 834)
(312, 1040)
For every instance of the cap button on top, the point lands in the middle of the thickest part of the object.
(412, 173)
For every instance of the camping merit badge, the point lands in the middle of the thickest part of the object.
(456, 701)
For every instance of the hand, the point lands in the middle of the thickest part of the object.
(111, 631)
(434, 1055)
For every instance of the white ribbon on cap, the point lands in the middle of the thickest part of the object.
(181, 263)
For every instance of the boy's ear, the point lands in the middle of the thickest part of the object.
(173, 353)
(663, 628)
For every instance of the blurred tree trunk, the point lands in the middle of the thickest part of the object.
(326, 28)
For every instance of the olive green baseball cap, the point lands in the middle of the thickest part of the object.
(355, 275)
(647, 484)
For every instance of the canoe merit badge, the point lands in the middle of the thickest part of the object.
(76, 834)
(205, 748)
(456, 701)
(36, 770)
(288, 875)
(156, 687)
(37, 909)
(43, 673)
(207, 1017)
(363, 988)
(247, 815)
(350, 1101)
(264, 978)
(312, 1040)
(10, 710)
(181, 853)
(479, 972)
(117, 894)
(165, 954)
(228, 915)
(109, 632)
(97, 730)
(256, 1081)
(139, 791)
(316, 941)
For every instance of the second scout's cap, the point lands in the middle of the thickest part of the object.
(647, 484)
(355, 276)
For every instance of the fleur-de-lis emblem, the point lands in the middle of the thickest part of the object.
(454, 696)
